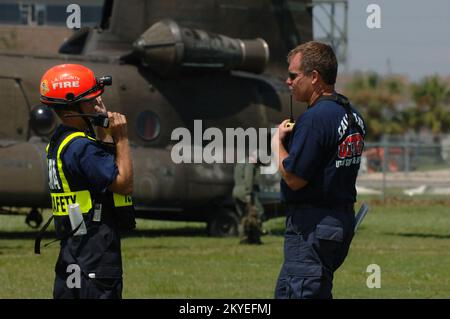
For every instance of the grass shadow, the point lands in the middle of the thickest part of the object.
(420, 235)
(25, 235)
(172, 232)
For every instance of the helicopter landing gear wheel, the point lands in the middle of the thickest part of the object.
(224, 224)
(34, 218)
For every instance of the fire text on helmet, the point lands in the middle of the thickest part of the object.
(65, 84)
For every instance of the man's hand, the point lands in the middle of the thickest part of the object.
(118, 126)
(279, 136)
(99, 105)
(103, 134)
(283, 130)
(119, 131)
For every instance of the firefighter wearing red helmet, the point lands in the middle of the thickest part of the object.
(90, 172)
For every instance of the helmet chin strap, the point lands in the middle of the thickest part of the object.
(90, 128)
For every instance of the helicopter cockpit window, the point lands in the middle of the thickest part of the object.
(148, 125)
(42, 120)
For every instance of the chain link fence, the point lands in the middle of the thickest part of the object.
(402, 166)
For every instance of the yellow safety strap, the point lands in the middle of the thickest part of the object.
(122, 200)
(70, 137)
(60, 201)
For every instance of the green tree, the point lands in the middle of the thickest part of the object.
(431, 97)
(430, 93)
(377, 98)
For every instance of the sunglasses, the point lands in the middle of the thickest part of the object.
(292, 76)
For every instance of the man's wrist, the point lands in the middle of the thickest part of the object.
(123, 140)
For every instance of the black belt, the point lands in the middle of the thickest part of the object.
(349, 208)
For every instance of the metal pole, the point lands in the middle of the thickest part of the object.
(344, 44)
(406, 156)
(332, 23)
(385, 158)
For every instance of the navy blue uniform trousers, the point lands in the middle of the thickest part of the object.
(316, 243)
(102, 288)
(96, 252)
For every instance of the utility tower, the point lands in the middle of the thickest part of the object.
(331, 16)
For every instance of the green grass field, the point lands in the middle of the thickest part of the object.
(409, 241)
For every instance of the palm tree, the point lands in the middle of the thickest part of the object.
(432, 97)
(430, 93)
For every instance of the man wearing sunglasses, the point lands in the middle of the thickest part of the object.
(318, 159)
(97, 176)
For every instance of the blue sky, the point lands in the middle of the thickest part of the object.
(414, 38)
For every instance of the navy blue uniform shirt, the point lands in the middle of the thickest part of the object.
(315, 156)
(88, 164)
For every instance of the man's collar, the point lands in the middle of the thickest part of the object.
(334, 93)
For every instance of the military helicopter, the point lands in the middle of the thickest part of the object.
(172, 62)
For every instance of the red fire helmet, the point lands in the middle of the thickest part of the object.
(69, 83)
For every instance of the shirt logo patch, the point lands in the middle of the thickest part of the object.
(351, 147)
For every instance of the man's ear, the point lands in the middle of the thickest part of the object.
(315, 77)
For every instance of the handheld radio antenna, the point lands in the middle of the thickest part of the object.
(291, 118)
(290, 103)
